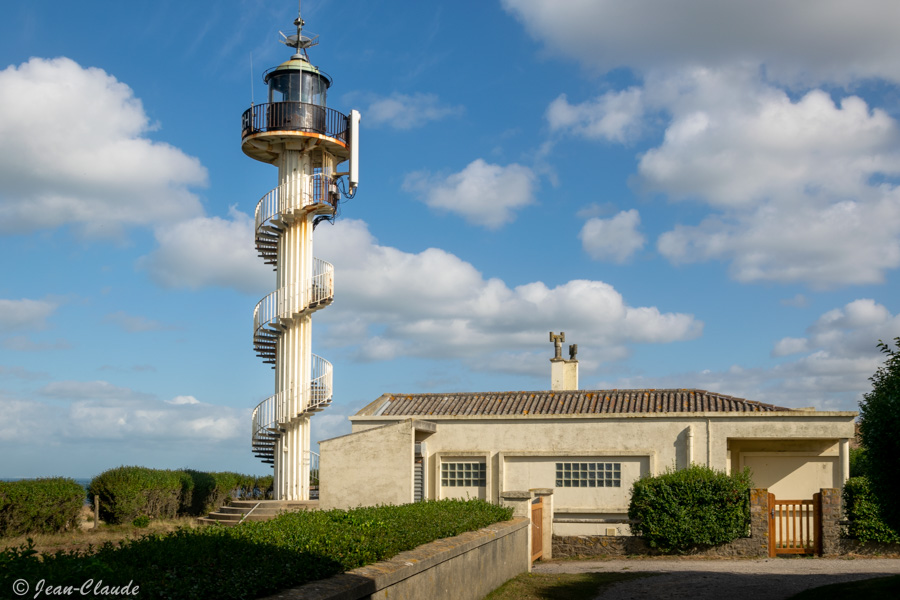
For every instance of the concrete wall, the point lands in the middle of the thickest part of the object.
(465, 567)
(367, 468)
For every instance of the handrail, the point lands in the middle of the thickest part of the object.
(287, 405)
(315, 189)
(291, 300)
(248, 512)
(294, 116)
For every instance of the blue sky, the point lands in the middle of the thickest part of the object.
(701, 194)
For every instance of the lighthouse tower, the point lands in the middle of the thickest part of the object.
(308, 143)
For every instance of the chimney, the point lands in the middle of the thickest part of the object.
(563, 372)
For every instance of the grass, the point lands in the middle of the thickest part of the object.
(85, 535)
(559, 586)
(880, 588)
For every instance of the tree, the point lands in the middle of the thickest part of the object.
(879, 429)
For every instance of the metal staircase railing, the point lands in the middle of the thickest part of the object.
(288, 302)
(279, 409)
(277, 206)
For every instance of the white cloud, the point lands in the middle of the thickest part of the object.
(734, 141)
(405, 111)
(615, 239)
(135, 323)
(790, 182)
(74, 152)
(614, 116)
(21, 343)
(798, 301)
(832, 371)
(94, 390)
(787, 346)
(800, 41)
(482, 193)
(434, 305)
(99, 410)
(209, 251)
(22, 373)
(25, 314)
(179, 400)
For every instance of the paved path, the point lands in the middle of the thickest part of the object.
(763, 579)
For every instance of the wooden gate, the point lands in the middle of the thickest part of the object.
(537, 521)
(795, 526)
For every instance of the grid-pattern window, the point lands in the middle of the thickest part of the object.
(459, 474)
(579, 474)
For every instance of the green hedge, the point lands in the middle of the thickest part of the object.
(690, 508)
(864, 514)
(255, 558)
(211, 489)
(39, 505)
(129, 492)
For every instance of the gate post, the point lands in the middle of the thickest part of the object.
(759, 521)
(520, 502)
(830, 538)
(771, 520)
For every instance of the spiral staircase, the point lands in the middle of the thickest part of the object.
(275, 313)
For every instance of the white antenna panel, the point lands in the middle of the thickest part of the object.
(354, 149)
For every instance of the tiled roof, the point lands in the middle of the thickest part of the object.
(574, 402)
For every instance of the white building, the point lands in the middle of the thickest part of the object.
(588, 446)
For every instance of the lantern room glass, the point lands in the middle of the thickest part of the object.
(298, 86)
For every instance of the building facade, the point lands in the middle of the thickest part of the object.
(588, 446)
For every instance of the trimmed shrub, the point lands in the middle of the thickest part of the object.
(690, 508)
(129, 492)
(210, 490)
(864, 513)
(39, 505)
(254, 559)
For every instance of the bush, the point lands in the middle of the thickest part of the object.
(879, 423)
(129, 492)
(694, 507)
(864, 513)
(39, 505)
(255, 559)
(210, 490)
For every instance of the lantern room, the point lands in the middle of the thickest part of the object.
(297, 81)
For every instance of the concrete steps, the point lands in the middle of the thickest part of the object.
(231, 514)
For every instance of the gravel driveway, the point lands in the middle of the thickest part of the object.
(769, 579)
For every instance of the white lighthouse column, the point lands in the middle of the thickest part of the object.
(293, 355)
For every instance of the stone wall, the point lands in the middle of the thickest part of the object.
(850, 546)
(465, 567)
(831, 521)
(755, 546)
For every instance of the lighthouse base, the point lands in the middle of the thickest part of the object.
(293, 462)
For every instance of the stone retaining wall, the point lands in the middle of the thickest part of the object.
(848, 546)
(465, 567)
